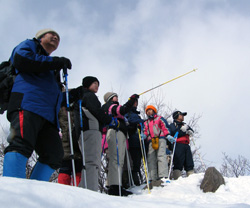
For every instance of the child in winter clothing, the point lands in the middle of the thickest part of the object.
(65, 171)
(93, 118)
(156, 129)
(183, 155)
(134, 142)
(118, 135)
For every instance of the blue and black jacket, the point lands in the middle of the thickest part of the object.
(36, 88)
(134, 119)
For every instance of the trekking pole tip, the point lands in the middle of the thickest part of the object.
(195, 69)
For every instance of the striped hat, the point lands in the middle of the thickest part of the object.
(109, 95)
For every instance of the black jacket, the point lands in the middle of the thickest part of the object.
(93, 116)
(176, 126)
(118, 111)
(134, 119)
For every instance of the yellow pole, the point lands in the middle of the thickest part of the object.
(169, 81)
(144, 164)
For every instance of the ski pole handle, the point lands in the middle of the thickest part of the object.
(65, 71)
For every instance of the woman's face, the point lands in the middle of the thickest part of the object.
(115, 99)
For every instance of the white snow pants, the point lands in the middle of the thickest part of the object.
(92, 151)
(157, 161)
(113, 178)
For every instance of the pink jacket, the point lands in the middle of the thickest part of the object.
(156, 127)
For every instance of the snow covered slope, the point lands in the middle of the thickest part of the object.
(184, 192)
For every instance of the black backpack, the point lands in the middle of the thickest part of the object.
(7, 78)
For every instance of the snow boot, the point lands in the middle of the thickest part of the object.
(64, 178)
(176, 174)
(114, 190)
(41, 172)
(154, 183)
(14, 165)
(190, 172)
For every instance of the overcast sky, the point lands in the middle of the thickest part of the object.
(133, 45)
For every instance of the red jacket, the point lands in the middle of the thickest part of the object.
(184, 139)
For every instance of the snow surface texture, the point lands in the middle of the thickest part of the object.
(184, 192)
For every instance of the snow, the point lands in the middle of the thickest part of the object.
(184, 192)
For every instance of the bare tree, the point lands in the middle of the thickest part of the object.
(235, 167)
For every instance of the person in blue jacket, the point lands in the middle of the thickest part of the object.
(134, 121)
(33, 107)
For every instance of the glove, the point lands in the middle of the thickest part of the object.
(190, 132)
(79, 92)
(184, 128)
(76, 94)
(114, 123)
(143, 136)
(61, 62)
(170, 139)
(134, 96)
(132, 100)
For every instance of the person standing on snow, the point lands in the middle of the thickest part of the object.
(114, 134)
(93, 118)
(65, 175)
(134, 121)
(33, 107)
(183, 155)
(156, 132)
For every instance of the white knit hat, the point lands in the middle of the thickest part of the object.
(42, 32)
(109, 95)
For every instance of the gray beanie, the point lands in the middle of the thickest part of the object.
(42, 32)
(109, 95)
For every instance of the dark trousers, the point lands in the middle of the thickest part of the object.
(136, 157)
(30, 132)
(183, 157)
(67, 166)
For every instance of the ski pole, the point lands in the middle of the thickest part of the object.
(145, 154)
(169, 81)
(144, 165)
(130, 178)
(118, 164)
(82, 144)
(172, 158)
(65, 75)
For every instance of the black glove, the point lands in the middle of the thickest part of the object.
(134, 96)
(132, 100)
(76, 94)
(61, 62)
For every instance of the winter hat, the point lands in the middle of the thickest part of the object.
(42, 32)
(87, 81)
(151, 107)
(109, 95)
(177, 113)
